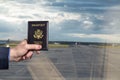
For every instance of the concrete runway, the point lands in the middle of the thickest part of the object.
(73, 63)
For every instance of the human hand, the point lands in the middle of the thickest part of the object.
(23, 51)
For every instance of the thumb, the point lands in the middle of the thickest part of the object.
(33, 46)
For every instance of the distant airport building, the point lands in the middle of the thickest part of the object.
(4, 43)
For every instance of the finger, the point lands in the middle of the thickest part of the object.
(33, 46)
(38, 52)
(29, 54)
(23, 57)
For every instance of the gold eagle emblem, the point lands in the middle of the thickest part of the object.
(38, 34)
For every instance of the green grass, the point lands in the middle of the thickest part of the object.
(49, 45)
(58, 46)
(107, 46)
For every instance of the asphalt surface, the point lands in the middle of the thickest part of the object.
(79, 63)
(73, 63)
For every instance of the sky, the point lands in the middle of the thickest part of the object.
(69, 20)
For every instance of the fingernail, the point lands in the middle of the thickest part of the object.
(38, 52)
(40, 46)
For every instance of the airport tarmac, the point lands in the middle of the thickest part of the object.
(73, 63)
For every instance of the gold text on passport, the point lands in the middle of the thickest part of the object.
(36, 25)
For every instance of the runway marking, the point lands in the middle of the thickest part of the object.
(44, 70)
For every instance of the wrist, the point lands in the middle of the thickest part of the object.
(12, 55)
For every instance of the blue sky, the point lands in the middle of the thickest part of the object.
(69, 20)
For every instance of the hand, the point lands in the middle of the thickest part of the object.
(22, 51)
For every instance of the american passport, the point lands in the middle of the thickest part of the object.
(38, 33)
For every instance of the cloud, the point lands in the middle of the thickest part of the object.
(12, 36)
(6, 27)
(66, 17)
(112, 19)
(102, 37)
(18, 12)
(12, 31)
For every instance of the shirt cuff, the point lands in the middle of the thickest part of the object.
(4, 57)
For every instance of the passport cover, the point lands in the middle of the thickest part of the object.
(38, 33)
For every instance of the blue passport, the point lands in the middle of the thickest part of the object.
(38, 33)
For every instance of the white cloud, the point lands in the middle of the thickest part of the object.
(102, 37)
(12, 36)
(29, 12)
(59, 0)
(112, 18)
(87, 24)
(17, 13)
